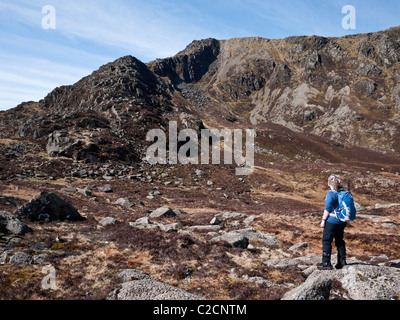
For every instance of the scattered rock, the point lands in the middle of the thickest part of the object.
(298, 246)
(69, 189)
(21, 258)
(124, 202)
(215, 221)
(259, 237)
(234, 239)
(163, 212)
(48, 207)
(106, 189)
(9, 223)
(107, 221)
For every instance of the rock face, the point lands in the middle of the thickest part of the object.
(48, 207)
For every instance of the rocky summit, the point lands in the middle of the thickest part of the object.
(79, 195)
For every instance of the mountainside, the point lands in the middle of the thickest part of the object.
(344, 89)
(78, 196)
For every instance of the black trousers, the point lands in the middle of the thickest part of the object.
(333, 231)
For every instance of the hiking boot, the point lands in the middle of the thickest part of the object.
(341, 263)
(326, 262)
(325, 266)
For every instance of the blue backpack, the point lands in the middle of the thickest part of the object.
(347, 210)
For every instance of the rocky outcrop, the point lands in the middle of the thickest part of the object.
(189, 65)
(358, 282)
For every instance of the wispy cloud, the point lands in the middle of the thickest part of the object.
(89, 33)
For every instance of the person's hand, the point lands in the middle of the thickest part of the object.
(323, 224)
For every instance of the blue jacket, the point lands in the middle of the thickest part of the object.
(332, 204)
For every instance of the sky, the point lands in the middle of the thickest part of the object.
(45, 44)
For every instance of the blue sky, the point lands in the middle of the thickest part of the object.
(90, 33)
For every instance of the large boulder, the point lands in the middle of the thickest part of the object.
(366, 281)
(48, 207)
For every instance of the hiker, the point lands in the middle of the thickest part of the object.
(333, 227)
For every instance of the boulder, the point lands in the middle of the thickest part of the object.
(21, 258)
(163, 212)
(106, 188)
(149, 289)
(318, 288)
(366, 281)
(234, 239)
(107, 221)
(257, 236)
(48, 207)
(124, 202)
(9, 223)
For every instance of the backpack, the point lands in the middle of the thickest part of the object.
(347, 210)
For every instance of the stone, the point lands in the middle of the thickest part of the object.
(21, 258)
(259, 237)
(233, 215)
(40, 258)
(9, 223)
(312, 289)
(48, 207)
(162, 212)
(69, 189)
(234, 239)
(106, 188)
(298, 246)
(172, 227)
(149, 289)
(215, 221)
(107, 221)
(205, 227)
(124, 202)
(127, 275)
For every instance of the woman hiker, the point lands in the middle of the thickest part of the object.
(333, 228)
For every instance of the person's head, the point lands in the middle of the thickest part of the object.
(335, 182)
